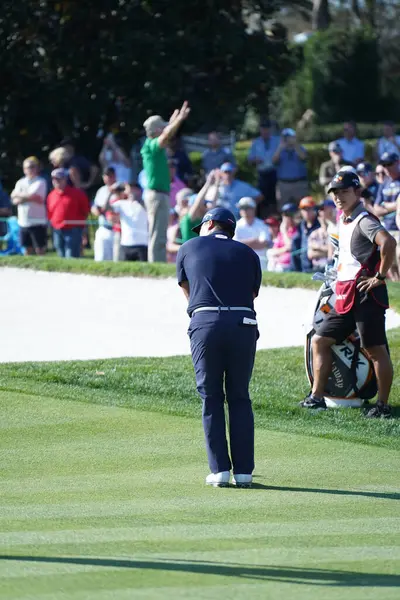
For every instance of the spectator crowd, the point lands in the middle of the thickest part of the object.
(148, 216)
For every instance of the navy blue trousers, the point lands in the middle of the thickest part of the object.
(223, 351)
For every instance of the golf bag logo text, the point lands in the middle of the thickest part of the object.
(339, 383)
(349, 353)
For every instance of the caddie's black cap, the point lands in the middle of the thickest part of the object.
(220, 215)
(388, 158)
(344, 180)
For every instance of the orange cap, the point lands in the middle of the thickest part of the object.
(307, 202)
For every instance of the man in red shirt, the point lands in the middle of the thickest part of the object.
(67, 209)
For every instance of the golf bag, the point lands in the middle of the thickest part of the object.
(352, 375)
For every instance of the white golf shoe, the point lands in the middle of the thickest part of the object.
(218, 479)
(242, 481)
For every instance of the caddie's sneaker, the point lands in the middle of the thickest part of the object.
(379, 411)
(313, 403)
(242, 481)
(218, 479)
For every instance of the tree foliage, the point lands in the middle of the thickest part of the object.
(337, 77)
(74, 67)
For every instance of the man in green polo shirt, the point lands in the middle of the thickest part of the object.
(155, 163)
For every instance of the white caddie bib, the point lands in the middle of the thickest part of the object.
(348, 266)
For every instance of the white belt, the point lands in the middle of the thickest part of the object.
(219, 308)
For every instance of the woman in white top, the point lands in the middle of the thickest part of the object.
(112, 155)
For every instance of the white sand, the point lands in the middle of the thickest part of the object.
(58, 316)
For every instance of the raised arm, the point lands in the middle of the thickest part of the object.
(198, 209)
(300, 151)
(177, 118)
(277, 156)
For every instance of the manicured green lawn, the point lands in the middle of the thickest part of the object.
(167, 385)
(99, 502)
(102, 493)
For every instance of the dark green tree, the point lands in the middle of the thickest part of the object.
(74, 67)
(338, 78)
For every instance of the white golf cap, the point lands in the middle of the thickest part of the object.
(153, 123)
(247, 202)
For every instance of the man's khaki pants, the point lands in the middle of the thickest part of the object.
(291, 191)
(157, 206)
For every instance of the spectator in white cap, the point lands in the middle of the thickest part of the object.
(231, 190)
(290, 160)
(155, 164)
(253, 231)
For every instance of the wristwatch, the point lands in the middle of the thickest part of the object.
(379, 276)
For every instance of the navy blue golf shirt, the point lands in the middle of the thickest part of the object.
(220, 272)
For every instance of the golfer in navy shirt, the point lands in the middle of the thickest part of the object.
(220, 278)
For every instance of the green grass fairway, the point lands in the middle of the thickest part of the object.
(101, 502)
(102, 493)
(167, 385)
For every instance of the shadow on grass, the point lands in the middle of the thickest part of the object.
(282, 488)
(297, 575)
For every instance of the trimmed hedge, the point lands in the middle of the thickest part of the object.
(334, 131)
(317, 154)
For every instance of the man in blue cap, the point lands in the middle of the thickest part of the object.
(220, 278)
(231, 190)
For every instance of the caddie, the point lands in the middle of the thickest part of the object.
(220, 278)
(366, 253)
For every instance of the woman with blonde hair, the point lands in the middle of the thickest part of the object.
(58, 157)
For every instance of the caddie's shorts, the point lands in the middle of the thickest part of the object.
(369, 318)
